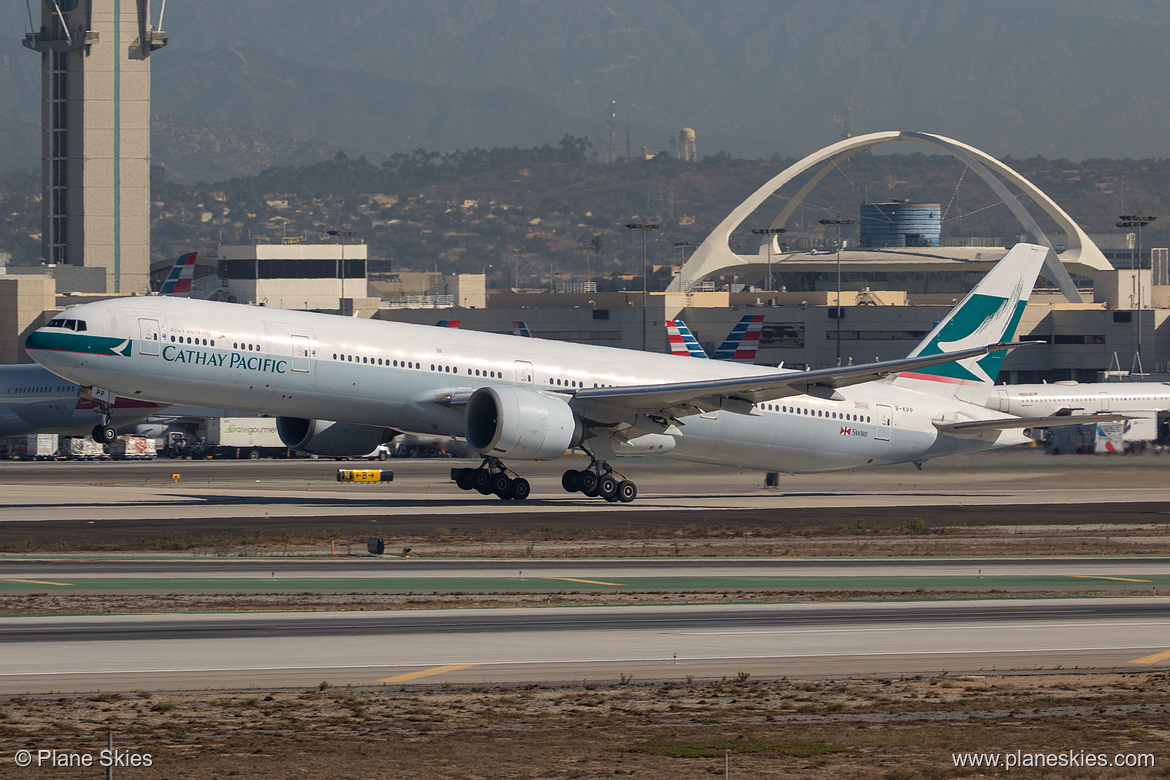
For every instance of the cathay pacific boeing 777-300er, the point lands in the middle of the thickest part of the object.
(340, 386)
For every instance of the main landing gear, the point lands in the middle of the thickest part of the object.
(492, 477)
(599, 480)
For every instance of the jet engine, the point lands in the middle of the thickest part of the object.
(331, 439)
(518, 423)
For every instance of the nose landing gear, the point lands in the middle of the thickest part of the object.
(103, 432)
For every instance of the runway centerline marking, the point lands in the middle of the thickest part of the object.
(427, 672)
(587, 582)
(1103, 577)
(1152, 659)
(39, 582)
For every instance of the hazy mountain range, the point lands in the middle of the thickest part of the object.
(246, 84)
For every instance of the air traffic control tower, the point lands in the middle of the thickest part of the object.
(95, 135)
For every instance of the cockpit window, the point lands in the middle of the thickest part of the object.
(61, 322)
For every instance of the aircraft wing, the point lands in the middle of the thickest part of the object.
(738, 394)
(1009, 423)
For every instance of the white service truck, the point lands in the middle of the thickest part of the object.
(39, 446)
(236, 437)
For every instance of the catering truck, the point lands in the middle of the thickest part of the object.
(237, 437)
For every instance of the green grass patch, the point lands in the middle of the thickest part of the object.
(715, 748)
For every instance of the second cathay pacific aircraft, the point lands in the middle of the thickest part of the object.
(343, 385)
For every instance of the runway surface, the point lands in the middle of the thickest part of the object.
(175, 574)
(82, 501)
(167, 652)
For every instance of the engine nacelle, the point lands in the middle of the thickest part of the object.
(331, 439)
(515, 422)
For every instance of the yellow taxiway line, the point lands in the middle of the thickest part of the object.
(427, 672)
(38, 582)
(1152, 659)
(587, 582)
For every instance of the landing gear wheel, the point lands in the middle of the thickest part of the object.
(589, 483)
(607, 487)
(626, 491)
(104, 434)
(571, 481)
(519, 489)
(465, 479)
(501, 485)
(481, 480)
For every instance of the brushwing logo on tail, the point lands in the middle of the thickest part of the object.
(982, 320)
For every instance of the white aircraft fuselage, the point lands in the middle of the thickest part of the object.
(1090, 397)
(412, 378)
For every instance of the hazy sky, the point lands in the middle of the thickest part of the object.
(1060, 78)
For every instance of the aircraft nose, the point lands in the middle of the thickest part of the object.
(38, 340)
(44, 346)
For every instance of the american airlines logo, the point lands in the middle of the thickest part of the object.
(853, 432)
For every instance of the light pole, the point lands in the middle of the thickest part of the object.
(769, 232)
(838, 222)
(341, 234)
(515, 268)
(643, 226)
(1139, 221)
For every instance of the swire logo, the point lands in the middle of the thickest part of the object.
(846, 431)
(854, 432)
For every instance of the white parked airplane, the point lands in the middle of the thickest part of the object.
(533, 399)
(34, 400)
(1075, 398)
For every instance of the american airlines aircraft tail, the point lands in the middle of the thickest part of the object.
(742, 342)
(340, 386)
(740, 346)
(178, 281)
(682, 342)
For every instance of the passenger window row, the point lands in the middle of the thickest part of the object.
(784, 408)
(189, 340)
